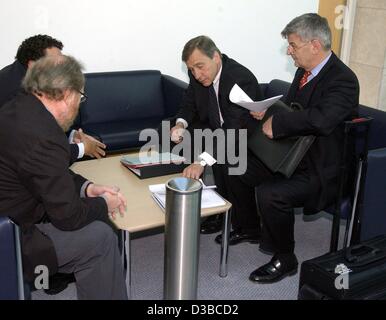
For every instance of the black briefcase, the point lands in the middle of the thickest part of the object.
(355, 273)
(279, 155)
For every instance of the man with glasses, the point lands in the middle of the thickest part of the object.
(83, 97)
(64, 218)
(11, 76)
(329, 92)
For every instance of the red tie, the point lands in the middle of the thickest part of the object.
(303, 80)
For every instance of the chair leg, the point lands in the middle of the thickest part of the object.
(19, 264)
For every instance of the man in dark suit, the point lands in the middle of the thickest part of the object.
(206, 104)
(64, 218)
(329, 92)
(12, 75)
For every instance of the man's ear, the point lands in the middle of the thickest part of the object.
(216, 57)
(67, 93)
(316, 46)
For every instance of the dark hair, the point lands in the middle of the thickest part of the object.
(53, 75)
(202, 43)
(310, 26)
(34, 48)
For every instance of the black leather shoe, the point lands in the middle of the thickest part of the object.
(236, 237)
(58, 282)
(212, 224)
(274, 271)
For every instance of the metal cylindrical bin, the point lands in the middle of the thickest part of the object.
(182, 225)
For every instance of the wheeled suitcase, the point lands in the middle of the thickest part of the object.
(355, 273)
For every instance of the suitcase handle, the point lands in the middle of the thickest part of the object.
(361, 253)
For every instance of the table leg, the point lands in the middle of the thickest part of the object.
(126, 251)
(225, 244)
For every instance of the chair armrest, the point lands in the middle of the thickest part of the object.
(173, 90)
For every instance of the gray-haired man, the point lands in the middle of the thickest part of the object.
(329, 92)
(64, 218)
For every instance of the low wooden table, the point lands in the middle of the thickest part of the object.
(142, 211)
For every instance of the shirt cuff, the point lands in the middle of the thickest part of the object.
(209, 160)
(83, 189)
(81, 150)
(183, 121)
(71, 137)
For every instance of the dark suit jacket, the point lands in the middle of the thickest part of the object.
(194, 105)
(333, 96)
(10, 81)
(11, 77)
(35, 182)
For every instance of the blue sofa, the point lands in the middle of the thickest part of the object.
(11, 278)
(372, 218)
(121, 104)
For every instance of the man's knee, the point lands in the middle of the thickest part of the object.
(268, 196)
(102, 235)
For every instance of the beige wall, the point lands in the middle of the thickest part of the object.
(382, 101)
(327, 9)
(368, 51)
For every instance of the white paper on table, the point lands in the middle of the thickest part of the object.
(239, 97)
(161, 189)
(209, 198)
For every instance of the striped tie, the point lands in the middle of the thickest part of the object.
(303, 80)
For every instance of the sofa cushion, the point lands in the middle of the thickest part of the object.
(120, 96)
(121, 134)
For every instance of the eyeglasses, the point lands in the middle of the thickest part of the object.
(295, 48)
(83, 96)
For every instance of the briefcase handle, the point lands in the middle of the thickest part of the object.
(363, 253)
(296, 106)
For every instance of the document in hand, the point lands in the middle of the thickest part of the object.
(239, 97)
(209, 197)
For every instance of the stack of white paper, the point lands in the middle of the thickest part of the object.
(209, 197)
(239, 97)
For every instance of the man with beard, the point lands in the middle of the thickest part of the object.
(11, 76)
(63, 217)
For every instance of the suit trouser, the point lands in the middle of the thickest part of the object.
(92, 254)
(276, 195)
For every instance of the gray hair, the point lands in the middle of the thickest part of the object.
(202, 43)
(52, 75)
(310, 26)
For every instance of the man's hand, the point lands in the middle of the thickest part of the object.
(92, 147)
(177, 132)
(257, 115)
(194, 171)
(115, 203)
(95, 190)
(267, 128)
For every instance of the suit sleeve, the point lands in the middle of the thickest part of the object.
(250, 86)
(74, 152)
(338, 101)
(46, 175)
(78, 180)
(188, 109)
